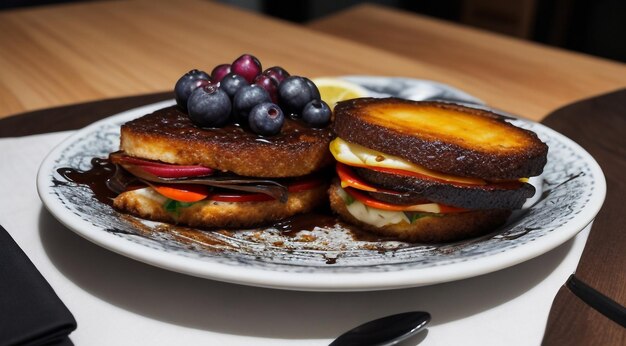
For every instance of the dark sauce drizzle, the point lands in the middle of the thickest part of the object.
(103, 172)
(97, 179)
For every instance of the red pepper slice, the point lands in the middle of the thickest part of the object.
(183, 192)
(347, 177)
(374, 203)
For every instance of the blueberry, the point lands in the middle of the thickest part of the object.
(231, 83)
(209, 106)
(246, 98)
(219, 72)
(186, 84)
(247, 66)
(266, 119)
(314, 91)
(277, 73)
(316, 113)
(269, 84)
(294, 93)
(198, 74)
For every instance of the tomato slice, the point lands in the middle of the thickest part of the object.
(374, 203)
(183, 192)
(304, 184)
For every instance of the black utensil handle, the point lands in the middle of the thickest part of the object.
(603, 304)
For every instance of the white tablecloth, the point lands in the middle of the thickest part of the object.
(119, 301)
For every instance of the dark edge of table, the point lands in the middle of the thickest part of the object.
(74, 116)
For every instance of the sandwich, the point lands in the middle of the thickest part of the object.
(171, 170)
(429, 171)
(226, 155)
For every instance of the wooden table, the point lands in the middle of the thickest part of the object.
(511, 74)
(62, 55)
(59, 55)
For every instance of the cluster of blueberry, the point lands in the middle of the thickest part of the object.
(243, 93)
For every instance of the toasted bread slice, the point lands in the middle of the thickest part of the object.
(428, 229)
(168, 135)
(509, 195)
(443, 137)
(147, 203)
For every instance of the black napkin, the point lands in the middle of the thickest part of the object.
(30, 312)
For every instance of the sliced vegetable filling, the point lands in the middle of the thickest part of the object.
(191, 193)
(356, 155)
(353, 186)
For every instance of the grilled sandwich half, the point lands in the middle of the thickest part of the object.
(171, 170)
(428, 171)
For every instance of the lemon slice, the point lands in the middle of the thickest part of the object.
(334, 90)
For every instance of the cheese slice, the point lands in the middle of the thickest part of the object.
(357, 155)
(373, 216)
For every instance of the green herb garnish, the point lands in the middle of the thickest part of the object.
(416, 216)
(172, 206)
(349, 199)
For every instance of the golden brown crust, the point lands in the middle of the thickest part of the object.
(444, 137)
(211, 214)
(168, 135)
(450, 227)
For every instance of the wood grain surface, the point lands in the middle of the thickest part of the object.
(64, 54)
(603, 135)
(603, 262)
(515, 75)
(71, 53)
(574, 323)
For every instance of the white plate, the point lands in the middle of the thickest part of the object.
(328, 258)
